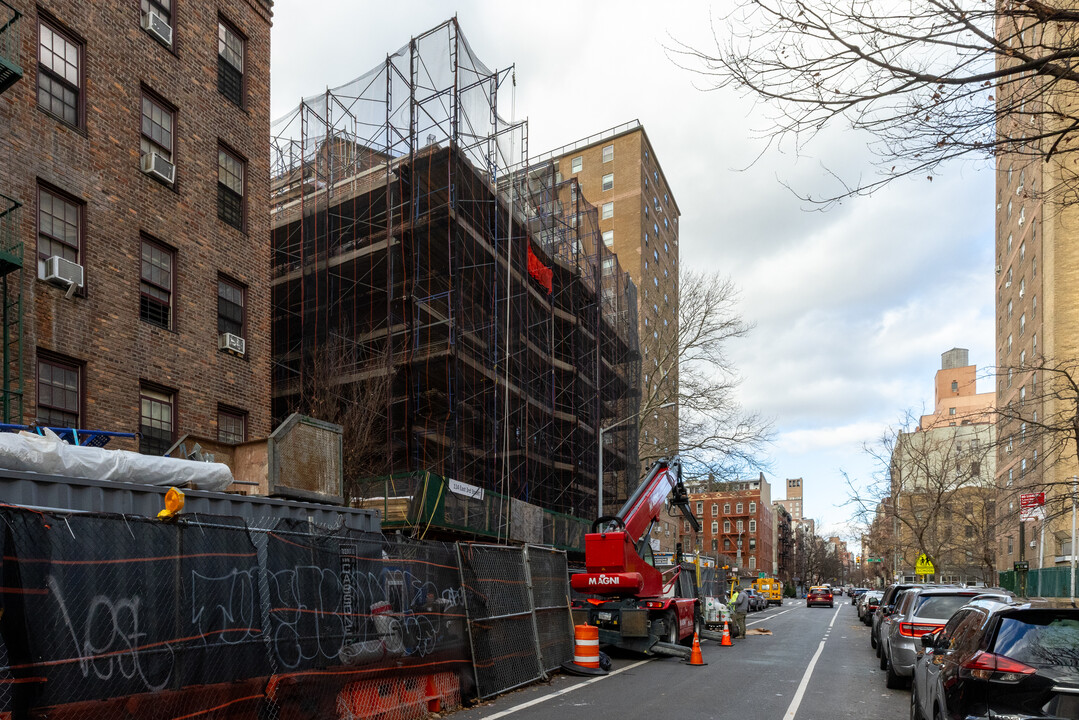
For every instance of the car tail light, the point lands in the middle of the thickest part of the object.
(653, 604)
(987, 666)
(917, 629)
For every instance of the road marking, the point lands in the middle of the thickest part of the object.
(793, 709)
(767, 618)
(563, 691)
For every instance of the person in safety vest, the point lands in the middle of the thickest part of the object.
(739, 605)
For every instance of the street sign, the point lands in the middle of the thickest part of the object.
(1021, 565)
(923, 566)
(874, 559)
(1031, 506)
(761, 575)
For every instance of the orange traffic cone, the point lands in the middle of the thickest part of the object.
(726, 641)
(434, 699)
(695, 656)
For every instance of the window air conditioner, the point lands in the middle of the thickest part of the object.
(231, 343)
(63, 273)
(1008, 284)
(998, 269)
(154, 164)
(157, 26)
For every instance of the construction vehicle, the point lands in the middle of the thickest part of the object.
(633, 603)
(771, 589)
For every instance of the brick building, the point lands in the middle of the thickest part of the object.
(136, 170)
(783, 542)
(734, 512)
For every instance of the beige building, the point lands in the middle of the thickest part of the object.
(956, 397)
(619, 173)
(793, 502)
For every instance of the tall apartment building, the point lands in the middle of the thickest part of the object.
(1037, 312)
(956, 400)
(736, 519)
(793, 502)
(619, 173)
(134, 222)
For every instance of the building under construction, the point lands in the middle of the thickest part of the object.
(413, 242)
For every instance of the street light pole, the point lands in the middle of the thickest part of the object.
(599, 464)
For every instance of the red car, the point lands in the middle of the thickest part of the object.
(820, 596)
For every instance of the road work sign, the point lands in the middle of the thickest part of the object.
(1031, 506)
(923, 566)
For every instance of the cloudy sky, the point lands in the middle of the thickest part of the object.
(852, 306)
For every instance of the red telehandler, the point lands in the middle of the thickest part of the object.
(637, 606)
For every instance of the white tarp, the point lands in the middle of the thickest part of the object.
(48, 454)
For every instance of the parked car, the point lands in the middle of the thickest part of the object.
(868, 604)
(885, 608)
(1000, 659)
(820, 595)
(920, 611)
(856, 593)
(756, 600)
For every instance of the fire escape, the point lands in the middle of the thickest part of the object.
(11, 245)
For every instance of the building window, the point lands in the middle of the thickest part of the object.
(715, 528)
(59, 74)
(700, 508)
(231, 425)
(608, 181)
(230, 308)
(738, 508)
(726, 526)
(752, 508)
(608, 238)
(161, 8)
(230, 188)
(753, 526)
(752, 562)
(59, 227)
(955, 386)
(157, 124)
(685, 526)
(753, 543)
(726, 543)
(230, 63)
(715, 509)
(951, 411)
(156, 420)
(155, 286)
(58, 391)
(715, 544)
(608, 211)
(608, 153)
(726, 508)
(739, 526)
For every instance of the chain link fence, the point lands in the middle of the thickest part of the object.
(517, 602)
(105, 616)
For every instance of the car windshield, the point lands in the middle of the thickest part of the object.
(940, 607)
(1040, 638)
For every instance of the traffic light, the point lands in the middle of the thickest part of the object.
(858, 559)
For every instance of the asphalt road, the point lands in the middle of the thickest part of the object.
(816, 665)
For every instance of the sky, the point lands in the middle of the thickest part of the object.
(852, 306)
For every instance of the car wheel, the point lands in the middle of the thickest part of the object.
(872, 639)
(883, 657)
(938, 714)
(915, 703)
(892, 679)
(671, 621)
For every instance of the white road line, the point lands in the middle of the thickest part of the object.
(767, 618)
(563, 691)
(793, 709)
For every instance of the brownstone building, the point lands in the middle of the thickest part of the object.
(135, 217)
(736, 512)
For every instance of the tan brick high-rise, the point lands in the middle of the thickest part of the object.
(134, 153)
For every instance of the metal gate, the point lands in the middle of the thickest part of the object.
(519, 622)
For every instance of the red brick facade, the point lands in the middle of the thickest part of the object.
(719, 514)
(95, 164)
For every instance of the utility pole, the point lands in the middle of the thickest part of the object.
(1071, 581)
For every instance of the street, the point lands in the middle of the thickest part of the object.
(817, 665)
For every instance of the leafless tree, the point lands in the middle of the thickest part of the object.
(691, 367)
(348, 387)
(934, 493)
(927, 80)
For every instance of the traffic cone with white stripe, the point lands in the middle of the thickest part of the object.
(695, 656)
(726, 641)
(585, 652)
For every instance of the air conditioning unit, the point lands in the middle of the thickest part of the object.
(1008, 284)
(157, 26)
(159, 167)
(998, 269)
(63, 273)
(231, 343)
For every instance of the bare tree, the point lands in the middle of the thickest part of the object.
(935, 489)
(928, 80)
(347, 387)
(691, 367)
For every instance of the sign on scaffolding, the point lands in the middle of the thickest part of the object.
(1031, 506)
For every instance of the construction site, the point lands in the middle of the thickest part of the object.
(420, 257)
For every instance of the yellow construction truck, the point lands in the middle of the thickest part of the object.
(770, 588)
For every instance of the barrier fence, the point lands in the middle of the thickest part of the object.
(105, 616)
(1046, 582)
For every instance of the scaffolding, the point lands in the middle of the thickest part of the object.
(410, 233)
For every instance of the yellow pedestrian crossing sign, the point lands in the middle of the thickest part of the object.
(923, 566)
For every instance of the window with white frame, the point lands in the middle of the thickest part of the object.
(715, 509)
(753, 526)
(608, 237)
(608, 153)
(607, 211)
(608, 182)
(576, 164)
(715, 528)
(726, 526)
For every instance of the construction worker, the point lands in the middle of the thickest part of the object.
(739, 605)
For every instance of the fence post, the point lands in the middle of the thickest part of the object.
(468, 615)
(532, 612)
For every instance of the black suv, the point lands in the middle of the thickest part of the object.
(1000, 659)
(887, 607)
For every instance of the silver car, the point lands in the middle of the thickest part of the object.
(918, 612)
